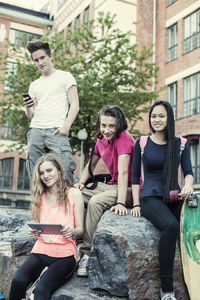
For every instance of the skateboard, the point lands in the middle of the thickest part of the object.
(190, 246)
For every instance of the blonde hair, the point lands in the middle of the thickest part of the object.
(38, 187)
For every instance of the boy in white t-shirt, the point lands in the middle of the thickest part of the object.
(52, 107)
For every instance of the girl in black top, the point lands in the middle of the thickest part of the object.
(160, 162)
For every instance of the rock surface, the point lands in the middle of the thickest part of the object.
(124, 259)
(15, 245)
(123, 263)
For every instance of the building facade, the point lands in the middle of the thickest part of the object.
(16, 22)
(55, 16)
(173, 26)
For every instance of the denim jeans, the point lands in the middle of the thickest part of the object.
(165, 217)
(41, 141)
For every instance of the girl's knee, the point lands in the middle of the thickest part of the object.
(18, 283)
(41, 291)
(173, 227)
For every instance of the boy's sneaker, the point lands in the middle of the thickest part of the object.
(82, 267)
(167, 295)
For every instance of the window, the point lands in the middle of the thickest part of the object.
(69, 28)
(86, 16)
(172, 42)
(192, 95)
(171, 1)
(6, 173)
(11, 69)
(6, 130)
(195, 158)
(192, 32)
(21, 38)
(172, 97)
(23, 179)
(77, 22)
(60, 3)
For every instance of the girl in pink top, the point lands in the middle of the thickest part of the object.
(54, 201)
(115, 146)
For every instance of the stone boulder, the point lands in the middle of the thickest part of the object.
(124, 259)
(123, 262)
(15, 244)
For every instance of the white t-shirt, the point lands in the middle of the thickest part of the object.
(52, 103)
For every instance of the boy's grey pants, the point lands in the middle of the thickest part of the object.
(42, 141)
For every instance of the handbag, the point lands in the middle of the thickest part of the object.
(174, 195)
(94, 179)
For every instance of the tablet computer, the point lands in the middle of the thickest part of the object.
(46, 228)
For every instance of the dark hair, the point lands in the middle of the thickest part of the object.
(170, 172)
(39, 45)
(115, 112)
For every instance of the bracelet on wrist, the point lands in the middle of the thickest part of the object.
(137, 205)
(74, 233)
(121, 204)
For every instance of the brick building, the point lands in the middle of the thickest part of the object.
(174, 28)
(14, 22)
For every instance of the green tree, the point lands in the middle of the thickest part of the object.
(108, 68)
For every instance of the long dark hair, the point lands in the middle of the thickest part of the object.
(170, 171)
(115, 112)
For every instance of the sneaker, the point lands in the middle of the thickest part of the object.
(167, 295)
(82, 267)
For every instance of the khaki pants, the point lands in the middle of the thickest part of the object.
(98, 201)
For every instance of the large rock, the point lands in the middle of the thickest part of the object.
(124, 259)
(15, 245)
(123, 262)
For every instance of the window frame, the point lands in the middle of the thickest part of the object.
(21, 38)
(87, 16)
(191, 102)
(170, 2)
(172, 89)
(77, 22)
(6, 181)
(172, 42)
(23, 179)
(195, 160)
(191, 38)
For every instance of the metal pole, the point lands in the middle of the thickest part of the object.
(81, 160)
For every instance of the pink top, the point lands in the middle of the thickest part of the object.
(110, 154)
(56, 245)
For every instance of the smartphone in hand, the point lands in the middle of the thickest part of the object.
(26, 96)
(28, 101)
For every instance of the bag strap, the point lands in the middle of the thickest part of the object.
(90, 164)
(182, 145)
(143, 142)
